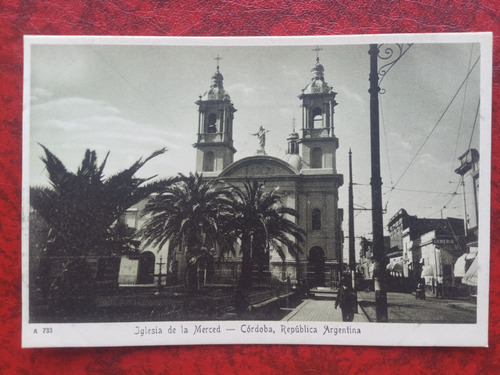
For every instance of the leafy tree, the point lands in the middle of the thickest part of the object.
(258, 221)
(187, 213)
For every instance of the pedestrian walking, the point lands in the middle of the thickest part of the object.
(345, 299)
(420, 291)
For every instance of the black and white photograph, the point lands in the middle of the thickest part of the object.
(293, 190)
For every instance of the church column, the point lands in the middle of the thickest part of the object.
(199, 124)
(325, 117)
(223, 121)
(303, 119)
(332, 112)
(220, 118)
(330, 119)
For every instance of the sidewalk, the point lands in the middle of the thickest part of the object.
(401, 308)
(405, 308)
(320, 310)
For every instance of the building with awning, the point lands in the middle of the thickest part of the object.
(463, 264)
(427, 271)
(395, 267)
(440, 252)
(396, 281)
(423, 248)
(470, 277)
(466, 267)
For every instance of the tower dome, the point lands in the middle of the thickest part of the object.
(292, 156)
(317, 84)
(216, 91)
(294, 160)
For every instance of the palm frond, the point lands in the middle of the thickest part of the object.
(81, 208)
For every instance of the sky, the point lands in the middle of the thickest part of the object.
(134, 99)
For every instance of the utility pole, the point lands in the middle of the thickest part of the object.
(376, 190)
(352, 252)
(391, 55)
(466, 221)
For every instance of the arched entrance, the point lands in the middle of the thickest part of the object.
(316, 267)
(146, 268)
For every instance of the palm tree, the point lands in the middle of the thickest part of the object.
(187, 214)
(258, 222)
(80, 208)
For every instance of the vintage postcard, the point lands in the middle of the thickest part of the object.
(292, 190)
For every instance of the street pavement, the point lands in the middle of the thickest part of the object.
(405, 308)
(320, 307)
(320, 310)
(401, 307)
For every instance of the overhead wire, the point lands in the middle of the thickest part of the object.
(461, 114)
(437, 123)
(386, 146)
(416, 191)
(453, 195)
(385, 140)
(474, 125)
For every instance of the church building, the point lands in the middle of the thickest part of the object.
(306, 176)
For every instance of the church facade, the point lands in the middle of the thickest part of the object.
(307, 178)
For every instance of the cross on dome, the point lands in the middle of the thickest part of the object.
(317, 49)
(218, 59)
(216, 91)
(317, 84)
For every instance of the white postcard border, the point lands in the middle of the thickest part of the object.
(233, 332)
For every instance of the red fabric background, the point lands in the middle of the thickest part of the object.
(221, 18)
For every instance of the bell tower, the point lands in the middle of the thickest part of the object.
(214, 146)
(318, 141)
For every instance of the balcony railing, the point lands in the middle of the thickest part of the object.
(213, 137)
(317, 133)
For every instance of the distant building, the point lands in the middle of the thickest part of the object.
(428, 250)
(469, 172)
(365, 264)
(466, 266)
(365, 258)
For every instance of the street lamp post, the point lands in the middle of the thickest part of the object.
(391, 57)
(352, 252)
(376, 189)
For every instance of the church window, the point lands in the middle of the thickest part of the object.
(317, 118)
(211, 126)
(316, 219)
(208, 161)
(130, 218)
(316, 158)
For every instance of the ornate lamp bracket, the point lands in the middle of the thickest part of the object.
(390, 55)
